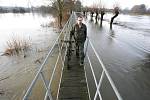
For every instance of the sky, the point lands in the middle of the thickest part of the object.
(107, 3)
(122, 3)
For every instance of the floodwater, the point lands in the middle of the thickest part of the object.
(17, 72)
(125, 51)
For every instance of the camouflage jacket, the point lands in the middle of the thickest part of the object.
(79, 33)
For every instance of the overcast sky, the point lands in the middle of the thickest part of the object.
(122, 3)
(107, 3)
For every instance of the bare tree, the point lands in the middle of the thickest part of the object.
(93, 9)
(97, 13)
(102, 11)
(58, 5)
(116, 12)
(60, 11)
(69, 6)
(62, 7)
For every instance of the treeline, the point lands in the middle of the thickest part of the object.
(44, 9)
(14, 9)
(138, 9)
(67, 5)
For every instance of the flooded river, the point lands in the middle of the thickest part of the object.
(16, 72)
(125, 51)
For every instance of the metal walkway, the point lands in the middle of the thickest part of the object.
(73, 83)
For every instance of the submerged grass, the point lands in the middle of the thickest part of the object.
(17, 45)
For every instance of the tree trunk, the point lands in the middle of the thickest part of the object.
(102, 15)
(112, 19)
(92, 14)
(60, 20)
(96, 17)
(60, 13)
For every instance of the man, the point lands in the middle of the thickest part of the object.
(79, 32)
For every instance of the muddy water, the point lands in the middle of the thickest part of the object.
(125, 52)
(16, 72)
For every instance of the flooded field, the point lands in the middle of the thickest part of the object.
(16, 72)
(125, 51)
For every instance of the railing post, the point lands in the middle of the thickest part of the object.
(46, 86)
(99, 84)
(94, 76)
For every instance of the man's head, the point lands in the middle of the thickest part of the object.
(79, 20)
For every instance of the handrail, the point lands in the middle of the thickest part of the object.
(29, 90)
(104, 71)
(59, 55)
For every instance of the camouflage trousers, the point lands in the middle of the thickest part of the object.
(80, 51)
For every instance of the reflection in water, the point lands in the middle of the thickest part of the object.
(91, 19)
(112, 33)
(96, 22)
(147, 62)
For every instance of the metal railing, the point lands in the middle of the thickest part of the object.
(62, 47)
(104, 73)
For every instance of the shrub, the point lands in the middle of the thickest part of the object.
(17, 45)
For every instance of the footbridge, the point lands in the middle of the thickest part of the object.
(61, 83)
